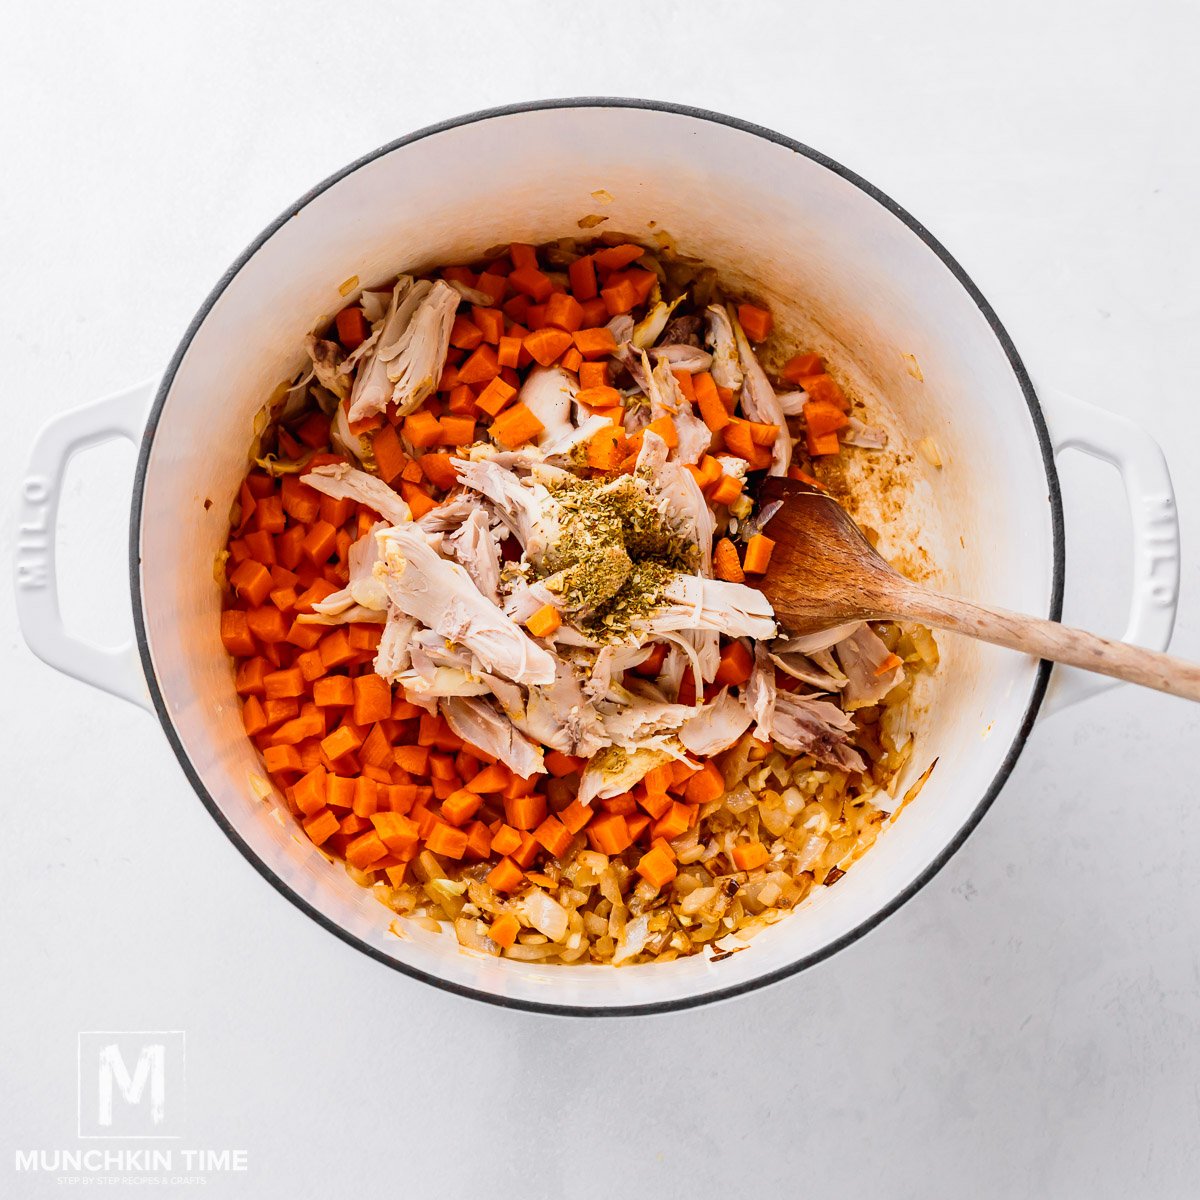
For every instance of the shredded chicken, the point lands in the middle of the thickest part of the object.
(716, 726)
(345, 483)
(817, 727)
(760, 403)
(862, 656)
(726, 368)
(441, 595)
(479, 723)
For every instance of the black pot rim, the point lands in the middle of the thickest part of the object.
(1036, 696)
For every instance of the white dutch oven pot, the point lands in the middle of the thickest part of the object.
(846, 271)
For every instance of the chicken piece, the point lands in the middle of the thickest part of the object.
(327, 360)
(800, 667)
(573, 436)
(730, 608)
(726, 369)
(372, 388)
(525, 507)
(549, 393)
(866, 437)
(715, 726)
(481, 724)
(559, 716)
(862, 655)
(345, 483)
(473, 545)
(805, 725)
(615, 770)
(631, 725)
(646, 332)
(392, 656)
(415, 360)
(682, 331)
(352, 614)
(759, 402)
(812, 643)
(759, 693)
(612, 659)
(668, 400)
(363, 589)
(682, 357)
(441, 595)
(680, 494)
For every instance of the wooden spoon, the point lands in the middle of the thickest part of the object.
(824, 573)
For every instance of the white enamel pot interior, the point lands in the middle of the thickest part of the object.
(846, 272)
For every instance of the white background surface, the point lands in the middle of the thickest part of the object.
(1029, 1025)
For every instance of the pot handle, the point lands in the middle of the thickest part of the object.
(1076, 425)
(118, 669)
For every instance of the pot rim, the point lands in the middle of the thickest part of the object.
(986, 800)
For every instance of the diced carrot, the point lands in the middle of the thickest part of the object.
(657, 867)
(509, 352)
(544, 622)
(516, 426)
(739, 440)
(595, 311)
(493, 778)
(800, 366)
(351, 327)
(673, 823)
(465, 334)
(281, 758)
(447, 841)
(268, 514)
(665, 428)
(598, 397)
(707, 784)
(254, 718)
(457, 431)
(417, 499)
(582, 276)
(622, 803)
(281, 684)
(480, 367)
(422, 428)
(505, 876)
(267, 624)
(564, 311)
(620, 298)
(506, 840)
(606, 449)
(595, 343)
(479, 840)
(339, 791)
(321, 826)
(492, 284)
(335, 648)
(560, 764)
(553, 836)
(571, 361)
(490, 322)
(686, 386)
(495, 396)
(372, 699)
(758, 554)
(460, 806)
(529, 281)
(341, 741)
(655, 803)
(333, 691)
(547, 345)
(726, 564)
(762, 433)
(594, 375)
(366, 796)
(299, 500)
(824, 389)
(525, 812)
(504, 929)
(252, 581)
(365, 849)
(616, 258)
(727, 490)
(823, 418)
(755, 322)
(310, 664)
(819, 446)
(750, 855)
(735, 666)
(235, 633)
(575, 816)
(609, 833)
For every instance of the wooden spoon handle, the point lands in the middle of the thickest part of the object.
(1048, 639)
